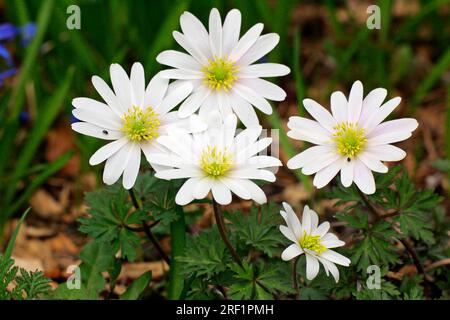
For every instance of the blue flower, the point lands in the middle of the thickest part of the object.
(8, 31)
(28, 32)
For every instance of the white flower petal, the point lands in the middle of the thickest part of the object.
(306, 220)
(262, 46)
(108, 96)
(257, 174)
(333, 243)
(355, 102)
(194, 101)
(307, 156)
(107, 151)
(221, 193)
(174, 98)
(267, 89)
(319, 163)
(324, 176)
(191, 46)
(390, 137)
(181, 74)
(246, 42)
(264, 162)
(386, 152)
(263, 70)
(253, 97)
(363, 178)
(185, 194)
(288, 233)
(95, 131)
(202, 188)
(243, 110)
(322, 229)
(291, 252)
(196, 33)
(347, 173)
(231, 30)
(137, 79)
(178, 173)
(116, 164)
(215, 33)
(310, 129)
(339, 106)
(155, 91)
(331, 267)
(256, 192)
(121, 84)
(398, 125)
(178, 60)
(372, 162)
(96, 112)
(320, 114)
(132, 167)
(312, 267)
(377, 117)
(236, 187)
(371, 104)
(335, 257)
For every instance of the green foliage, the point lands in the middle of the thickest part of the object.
(205, 255)
(258, 229)
(26, 285)
(137, 288)
(19, 284)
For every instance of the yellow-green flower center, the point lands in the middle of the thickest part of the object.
(215, 163)
(220, 74)
(312, 243)
(141, 124)
(350, 139)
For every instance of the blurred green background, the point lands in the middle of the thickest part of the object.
(326, 44)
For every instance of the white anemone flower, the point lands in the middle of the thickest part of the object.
(220, 66)
(353, 139)
(132, 117)
(217, 160)
(313, 240)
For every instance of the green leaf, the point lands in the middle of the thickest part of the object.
(110, 211)
(258, 229)
(10, 247)
(137, 288)
(205, 254)
(32, 283)
(375, 247)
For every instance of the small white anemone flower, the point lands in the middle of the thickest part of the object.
(218, 161)
(353, 139)
(133, 117)
(313, 240)
(220, 67)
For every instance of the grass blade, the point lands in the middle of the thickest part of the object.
(10, 247)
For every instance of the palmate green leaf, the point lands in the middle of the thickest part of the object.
(158, 198)
(205, 255)
(262, 281)
(110, 210)
(375, 247)
(387, 291)
(258, 229)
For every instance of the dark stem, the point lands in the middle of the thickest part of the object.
(414, 256)
(295, 278)
(405, 242)
(147, 230)
(221, 226)
(368, 204)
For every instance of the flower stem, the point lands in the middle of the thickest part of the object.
(178, 234)
(221, 226)
(295, 278)
(405, 242)
(147, 230)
